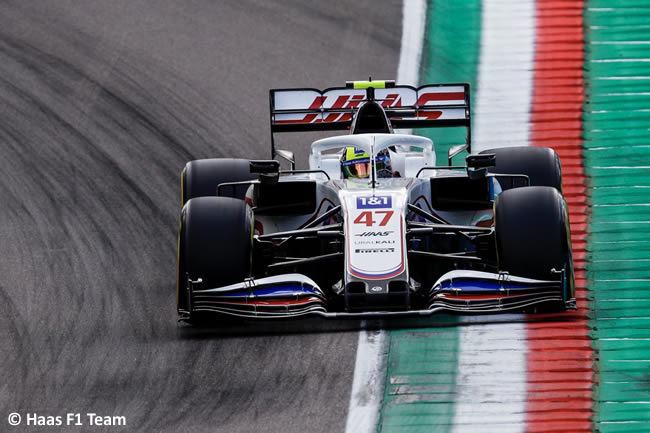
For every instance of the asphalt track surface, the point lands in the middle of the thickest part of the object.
(102, 103)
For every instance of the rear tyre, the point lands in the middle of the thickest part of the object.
(533, 237)
(201, 177)
(214, 243)
(540, 164)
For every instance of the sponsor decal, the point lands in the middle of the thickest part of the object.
(373, 242)
(320, 102)
(426, 101)
(374, 250)
(392, 100)
(374, 202)
(369, 234)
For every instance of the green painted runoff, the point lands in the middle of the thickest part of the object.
(617, 163)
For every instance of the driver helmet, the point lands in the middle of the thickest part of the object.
(355, 164)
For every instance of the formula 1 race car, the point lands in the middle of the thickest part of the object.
(374, 227)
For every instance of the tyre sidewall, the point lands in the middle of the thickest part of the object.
(215, 242)
(531, 229)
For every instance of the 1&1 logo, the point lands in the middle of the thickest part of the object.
(374, 202)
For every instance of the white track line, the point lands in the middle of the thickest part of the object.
(370, 366)
(414, 19)
(368, 383)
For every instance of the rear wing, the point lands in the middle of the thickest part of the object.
(431, 105)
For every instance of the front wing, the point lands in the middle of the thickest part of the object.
(296, 295)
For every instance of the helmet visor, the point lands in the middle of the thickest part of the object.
(357, 169)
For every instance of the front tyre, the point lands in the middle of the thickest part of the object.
(214, 244)
(533, 236)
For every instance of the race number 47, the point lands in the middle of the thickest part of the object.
(368, 217)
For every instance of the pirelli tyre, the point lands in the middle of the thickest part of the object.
(214, 244)
(533, 237)
(540, 164)
(201, 177)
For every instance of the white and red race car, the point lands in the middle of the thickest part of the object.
(374, 227)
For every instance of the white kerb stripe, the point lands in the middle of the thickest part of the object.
(491, 383)
(370, 366)
(491, 379)
(505, 78)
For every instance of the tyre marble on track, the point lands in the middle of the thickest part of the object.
(102, 104)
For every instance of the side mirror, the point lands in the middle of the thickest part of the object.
(479, 164)
(287, 156)
(264, 166)
(269, 170)
(481, 160)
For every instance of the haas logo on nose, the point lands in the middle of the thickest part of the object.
(369, 234)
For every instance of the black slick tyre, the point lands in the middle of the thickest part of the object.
(540, 164)
(533, 237)
(214, 243)
(201, 177)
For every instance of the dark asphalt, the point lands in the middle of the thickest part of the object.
(101, 104)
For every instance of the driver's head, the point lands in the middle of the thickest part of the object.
(355, 164)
